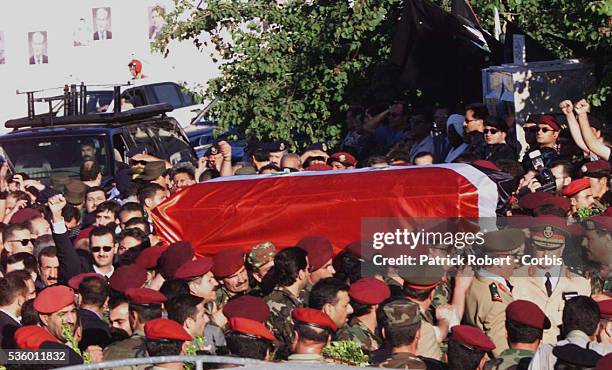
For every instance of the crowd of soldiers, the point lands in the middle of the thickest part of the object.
(85, 270)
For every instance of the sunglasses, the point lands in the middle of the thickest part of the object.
(24, 242)
(492, 131)
(134, 163)
(545, 129)
(105, 248)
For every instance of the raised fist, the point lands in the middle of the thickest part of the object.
(566, 107)
(582, 107)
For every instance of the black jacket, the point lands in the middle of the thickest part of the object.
(71, 261)
(96, 332)
(8, 326)
(495, 152)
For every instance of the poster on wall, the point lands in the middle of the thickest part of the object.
(37, 42)
(102, 24)
(2, 47)
(82, 33)
(156, 21)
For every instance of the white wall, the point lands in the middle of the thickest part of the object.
(101, 62)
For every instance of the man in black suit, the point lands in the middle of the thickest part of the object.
(102, 23)
(38, 44)
(13, 293)
(94, 293)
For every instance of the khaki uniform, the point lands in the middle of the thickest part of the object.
(508, 359)
(529, 286)
(485, 308)
(428, 345)
(132, 347)
(403, 360)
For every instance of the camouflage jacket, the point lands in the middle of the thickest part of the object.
(356, 331)
(222, 296)
(133, 347)
(508, 359)
(281, 303)
(599, 284)
(403, 360)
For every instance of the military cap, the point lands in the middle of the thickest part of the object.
(59, 181)
(313, 317)
(344, 158)
(213, 150)
(76, 280)
(53, 299)
(193, 269)
(148, 258)
(276, 146)
(485, 164)
(505, 240)
(531, 201)
(261, 254)
(576, 187)
(84, 234)
(549, 120)
(227, 262)
(249, 307)
(605, 309)
(125, 277)
(173, 257)
(549, 232)
(317, 146)
(319, 167)
(604, 362)
(32, 336)
(153, 170)
(421, 277)
(138, 150)
(370, 291)
(603, 223)
(561, 202)
(401, 312)
(144, 296)
(597, 169)
(319, 250)
(24, 215)
(251, 328)
(471, 337)
(527, 313)
(160, 329)
(573, 354)
(74, 192)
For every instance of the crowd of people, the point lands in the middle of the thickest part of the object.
(84, 268)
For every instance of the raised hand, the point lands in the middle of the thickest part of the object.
(582, 107)
(567, 107)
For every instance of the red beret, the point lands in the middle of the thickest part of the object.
(76, 280)
(354, 249)
(144, 296)
(84, 234)
(527, 313)
(549, 120)
(485, 164)
(227, 262)
(313, 317)
(603, 223)
(248, 307)
(608, 212)
(370, 291)
(576, 187)
(147, 259)
(250, 327)
(558, 201)
(319, 167)
(23, 215)
(605, 309)
(531, 201)
(345, 158)
(130, 276)
(599, 168)
(53, 299)
(604, 363)
(319, 249)
(472, 337)
(173, 257)
(32, 336)
(166, 329)
(193, 269)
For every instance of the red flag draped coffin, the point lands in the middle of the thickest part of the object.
(242, 211)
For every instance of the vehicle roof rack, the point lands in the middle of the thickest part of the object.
(115, 118)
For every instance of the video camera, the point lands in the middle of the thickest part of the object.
(544, 175)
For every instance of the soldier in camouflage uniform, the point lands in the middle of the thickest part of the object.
(291, 275)
(401, 318)
(366, 294)
(229, 270)
(525, 324)
(599, 271)
(259, 262)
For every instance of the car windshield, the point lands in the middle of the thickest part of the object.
(42, 157)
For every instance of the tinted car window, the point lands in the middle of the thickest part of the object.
(177, 148)
(168, 93)
(142, 137)
(40, 157)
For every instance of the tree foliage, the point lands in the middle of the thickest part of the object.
(291, 71)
